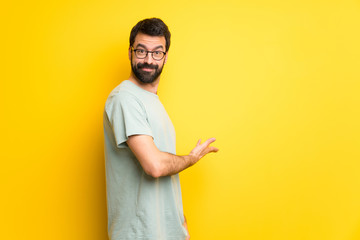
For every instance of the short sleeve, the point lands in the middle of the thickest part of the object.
(127, 117)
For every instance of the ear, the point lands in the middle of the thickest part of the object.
(129, 53)
(166, 56)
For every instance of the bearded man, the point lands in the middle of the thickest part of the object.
(142, 182)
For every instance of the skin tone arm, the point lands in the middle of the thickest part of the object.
(157, 164)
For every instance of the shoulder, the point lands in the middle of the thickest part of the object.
(122, 97)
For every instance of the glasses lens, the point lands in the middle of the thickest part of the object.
(157, 55)
(140, 53)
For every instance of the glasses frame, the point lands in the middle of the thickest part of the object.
(147, 52)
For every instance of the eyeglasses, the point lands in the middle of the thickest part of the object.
(156, 55)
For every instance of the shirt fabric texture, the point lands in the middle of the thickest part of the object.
(139, 206)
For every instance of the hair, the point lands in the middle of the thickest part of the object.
(151, 27)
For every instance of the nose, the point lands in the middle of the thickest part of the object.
(149, 59)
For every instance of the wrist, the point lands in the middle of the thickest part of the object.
(192, 159)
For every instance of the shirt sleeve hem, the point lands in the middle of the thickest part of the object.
(120, 142)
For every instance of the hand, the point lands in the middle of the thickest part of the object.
(186, 227)
(202, 149)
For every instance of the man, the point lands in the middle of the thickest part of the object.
(143, 188)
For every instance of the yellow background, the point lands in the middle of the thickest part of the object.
(276, 82)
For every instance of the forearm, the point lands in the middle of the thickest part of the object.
(157, 163)
(170, 164)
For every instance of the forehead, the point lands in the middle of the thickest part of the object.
(150, 42)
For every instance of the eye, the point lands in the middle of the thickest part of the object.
(158, 54)
(140, 50)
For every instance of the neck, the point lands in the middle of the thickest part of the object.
(150, 87)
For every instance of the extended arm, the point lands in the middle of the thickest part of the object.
(157, 163)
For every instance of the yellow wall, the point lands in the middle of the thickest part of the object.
(276, 82)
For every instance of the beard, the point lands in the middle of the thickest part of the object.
(143, 76)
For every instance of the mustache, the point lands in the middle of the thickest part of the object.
(146, 65)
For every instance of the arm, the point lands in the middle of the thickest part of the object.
(157, 163)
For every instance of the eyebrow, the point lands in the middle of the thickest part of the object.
(143, 46)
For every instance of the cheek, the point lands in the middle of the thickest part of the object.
(133, 61)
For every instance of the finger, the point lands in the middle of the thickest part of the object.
(198, 142)
(209, 141)
(211, 149)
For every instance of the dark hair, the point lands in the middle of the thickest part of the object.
(152, 27)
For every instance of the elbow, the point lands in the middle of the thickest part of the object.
(154, 170)
(154, 174)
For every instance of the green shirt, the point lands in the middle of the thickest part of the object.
(139, 206)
